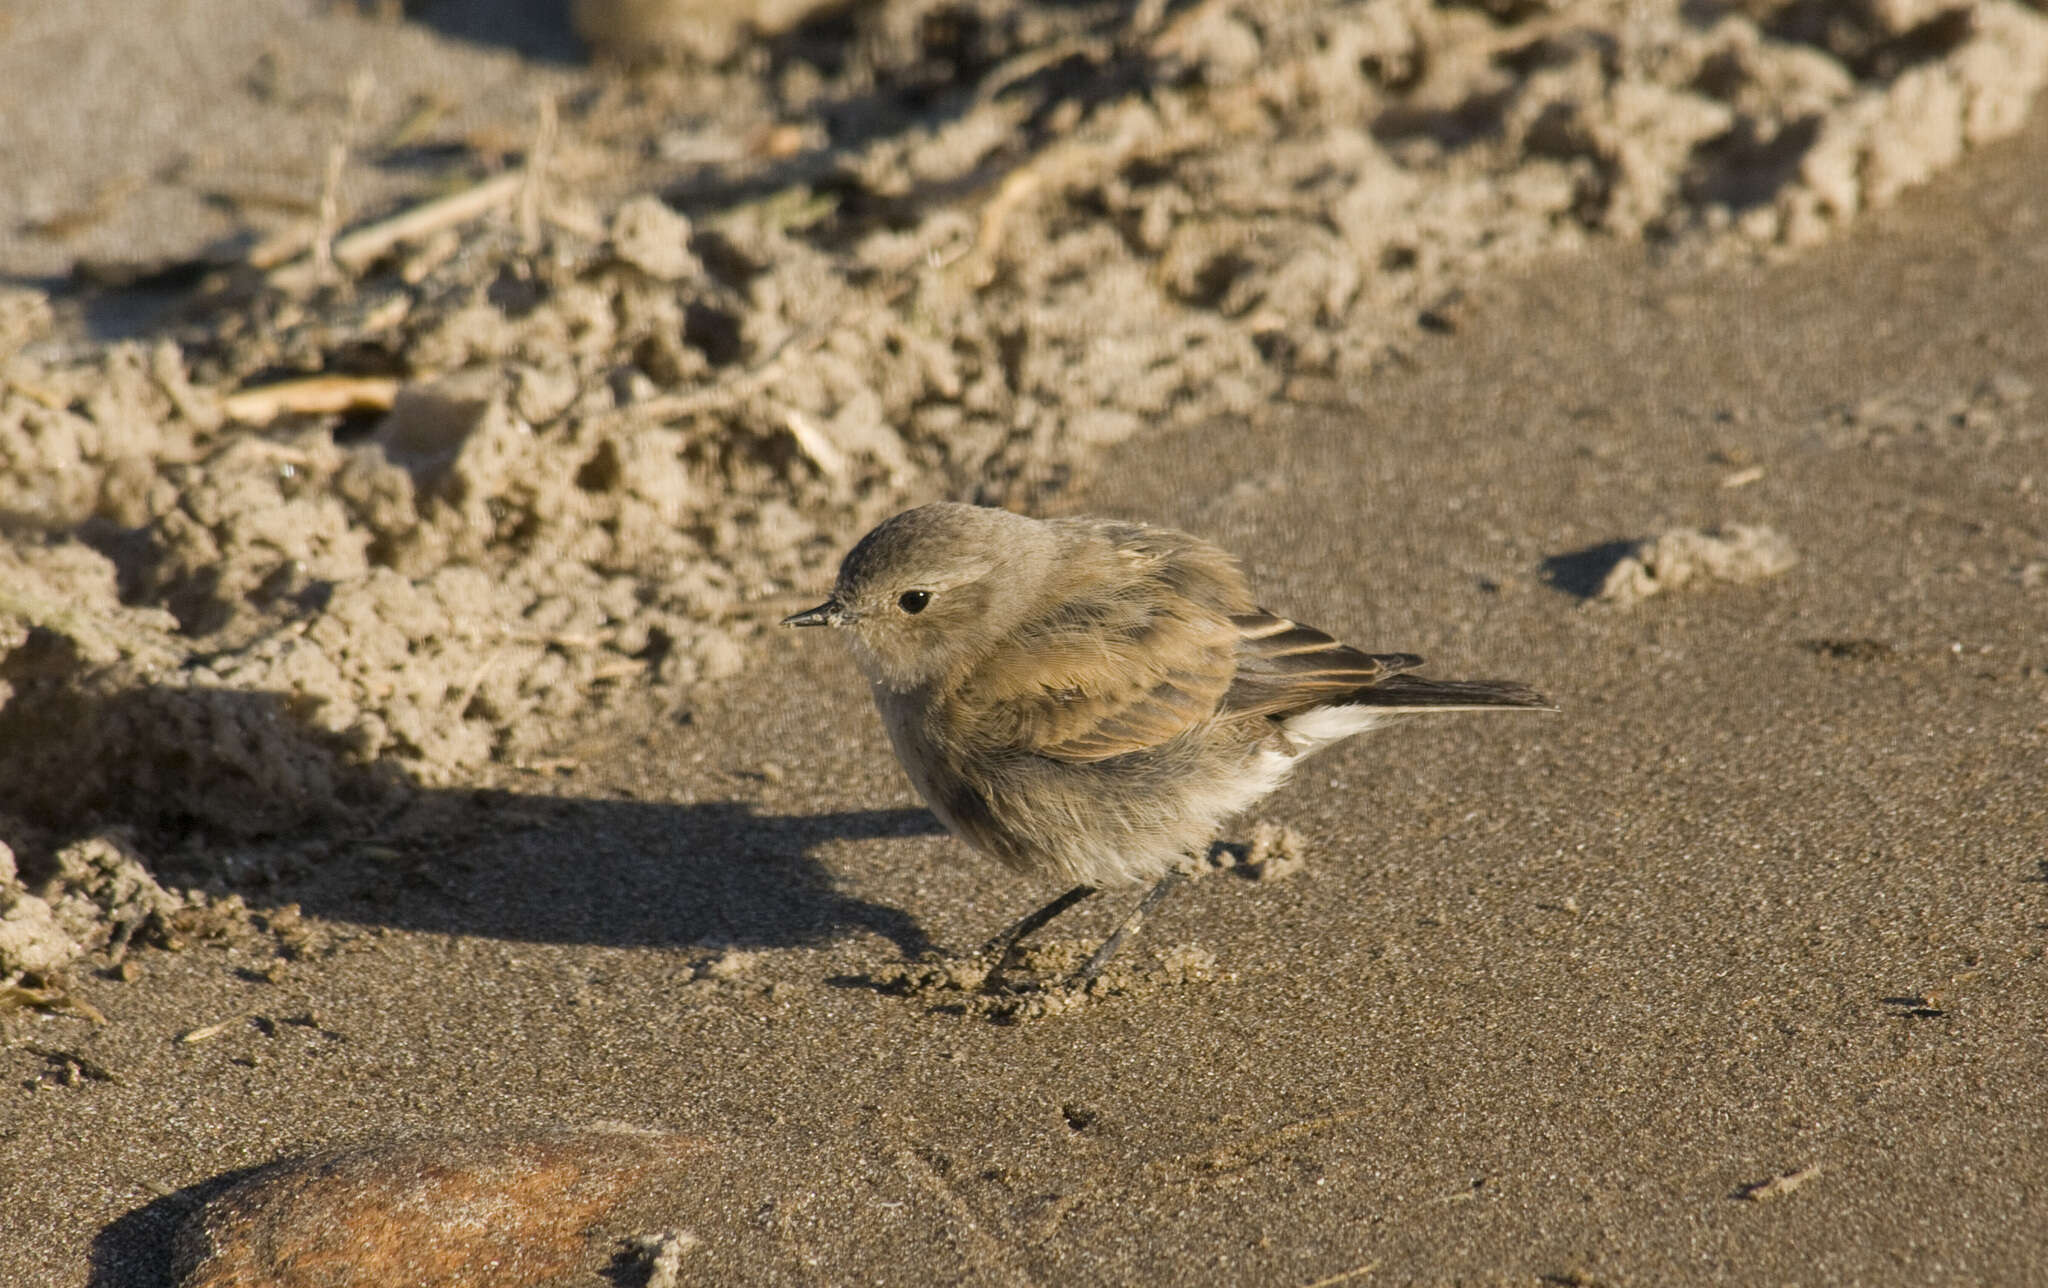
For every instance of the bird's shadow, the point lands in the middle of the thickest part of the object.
(232, 790)
(626, 874)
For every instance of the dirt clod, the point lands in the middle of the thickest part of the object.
(1276, 852)
(1686, 556)
(1037, 984)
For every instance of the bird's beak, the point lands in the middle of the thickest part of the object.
(826, 614)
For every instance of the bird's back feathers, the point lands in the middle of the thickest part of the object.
(1284, 667)
(1161, 637)
(1140, 653)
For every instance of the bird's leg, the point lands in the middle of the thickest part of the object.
(1005, 944)
(1100, 958)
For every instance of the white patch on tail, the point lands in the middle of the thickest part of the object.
(1314, 730)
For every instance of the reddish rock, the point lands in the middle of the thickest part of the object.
(497, 1210)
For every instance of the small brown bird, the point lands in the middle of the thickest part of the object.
(1090, 700)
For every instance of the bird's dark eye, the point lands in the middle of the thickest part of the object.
(913, 601)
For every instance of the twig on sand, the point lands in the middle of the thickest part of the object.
(537, 159)
(360, 87)
(1778, 1186)
(359, 248)
(816, 445)
(367, 243)
(314, 395)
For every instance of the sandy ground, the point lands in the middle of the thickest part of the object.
(1731, 971)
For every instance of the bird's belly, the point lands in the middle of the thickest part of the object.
(1126, 821)
(945, 792)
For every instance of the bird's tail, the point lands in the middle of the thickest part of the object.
(1398, 693)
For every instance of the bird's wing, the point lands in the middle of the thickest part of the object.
(1141, 652)
(1283, 667)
